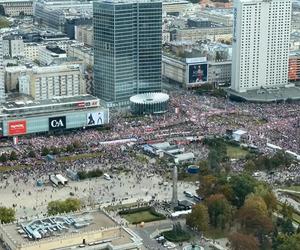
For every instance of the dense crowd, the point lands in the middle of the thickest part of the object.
(189, 115)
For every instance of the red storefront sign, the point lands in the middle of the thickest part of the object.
(17, 127)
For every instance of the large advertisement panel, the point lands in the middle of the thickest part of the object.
(57, 123)
(198, 73)
(95, 118)
(17, 127)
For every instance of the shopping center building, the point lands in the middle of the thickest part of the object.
(50, 116)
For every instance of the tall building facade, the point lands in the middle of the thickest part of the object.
(2, 82)
(261, 35)
(127, 49)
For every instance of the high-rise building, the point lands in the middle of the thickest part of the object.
(127, 49)
(2, 83)
(261, 36)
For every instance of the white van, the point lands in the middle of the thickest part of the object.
(107, 177)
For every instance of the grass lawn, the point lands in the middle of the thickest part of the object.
(236, 152)
(78, 157)
(16, 167)
(293, 196)
(138, 217)
(294, 188)
(296, 216)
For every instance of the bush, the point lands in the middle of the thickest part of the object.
(177, 234)
(31, 154)
(7, 215)
(3, 157)
(89, 174)
(45, 151)
(66, 206)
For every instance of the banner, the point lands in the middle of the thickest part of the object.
(56, 123)
(95, 118)
(198, 73)
(17, 127)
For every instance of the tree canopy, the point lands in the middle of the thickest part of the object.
(66, 206)
(198, 218)
(239, 241)
(7, 215)
(219, 209)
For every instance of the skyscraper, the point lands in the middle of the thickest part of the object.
(127, 49)
(2, 84)
(261, 36)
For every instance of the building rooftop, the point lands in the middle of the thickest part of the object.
(149, 98)
(294, 53)
(289, 92)
(12, 106)
(56, 50)
(128, 1)
(97, 227)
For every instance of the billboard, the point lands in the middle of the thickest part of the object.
(17, 127)
(197, 73)
(57, 123)
(95, 118)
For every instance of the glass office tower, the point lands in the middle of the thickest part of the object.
(127, 49)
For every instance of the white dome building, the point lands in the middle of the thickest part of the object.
(149, 103)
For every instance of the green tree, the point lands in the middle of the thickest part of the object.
(239, 241)
(219, 209)
(4, 23)
(214, 160)
(198, 218)
(207, 185)
(289, 242)
(287, 227)
(13, 156)
(256, 202)
(66, 206)
(76, 144)
(7, 215)
(269, 197)
(3, 157)
(54, 150)
(254, 219)
(31, 153)
(287, 211)
(45, 151)
(70, 148)
(250, 166)
(242, 185)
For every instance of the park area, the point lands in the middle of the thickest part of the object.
(138, 215)
(235, 152)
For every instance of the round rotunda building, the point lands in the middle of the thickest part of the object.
(149, 103)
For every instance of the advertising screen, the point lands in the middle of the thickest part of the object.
(198, 73)
(95, 118)
(17, 127)
(57, 123)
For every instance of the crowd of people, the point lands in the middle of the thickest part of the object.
(189, 115)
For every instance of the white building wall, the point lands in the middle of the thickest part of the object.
(56, 81)
(2, 84)
(261, 36)
(24, 84)
(17, 48)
